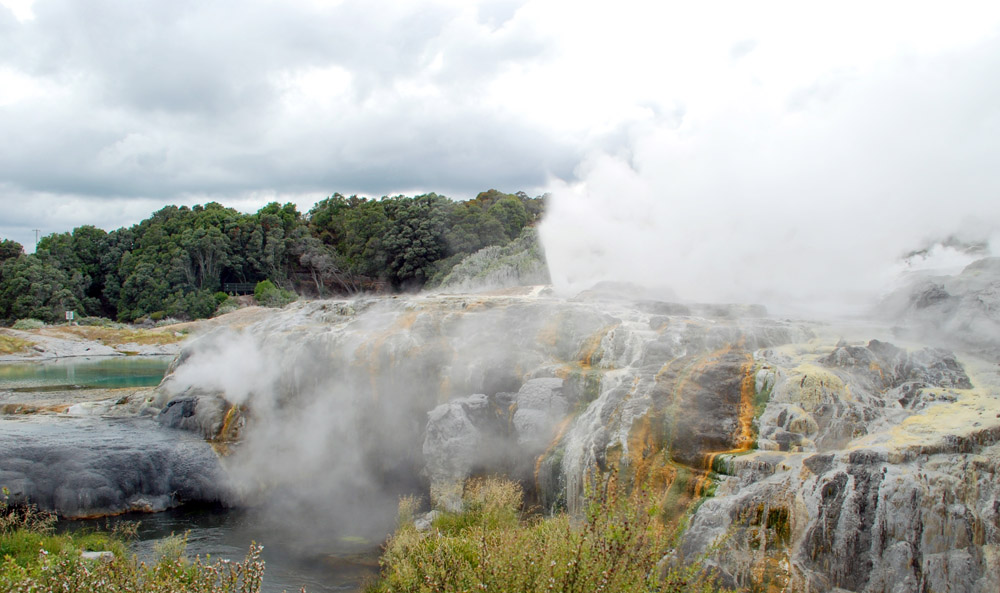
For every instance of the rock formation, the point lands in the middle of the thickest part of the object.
(800, 456)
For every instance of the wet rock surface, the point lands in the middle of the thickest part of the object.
(82, 467)
(802, 456)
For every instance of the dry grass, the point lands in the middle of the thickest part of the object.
(116, 337)
(13, 345)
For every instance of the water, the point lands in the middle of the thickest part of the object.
(336, 565)
(102, 372)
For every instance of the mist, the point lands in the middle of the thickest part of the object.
(803, 197)
(338, 395)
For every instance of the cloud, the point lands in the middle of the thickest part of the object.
(678, 112)
(158, 100)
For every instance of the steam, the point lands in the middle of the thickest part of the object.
(228, 363)
(338, 395)
(803, 198)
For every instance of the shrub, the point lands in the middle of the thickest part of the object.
(32, 558)
(29, 324)
(99, 322)
(617, 547)
(157, 315)
(269, 295)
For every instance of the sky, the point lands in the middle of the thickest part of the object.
(690, 144)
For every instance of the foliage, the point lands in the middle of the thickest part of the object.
(10, 249)
(519, 262)
(33, 558)
(31, 286)
(66, 570)
(179, 259)
(268, 295)
(12, 345)
(112, 336)
(28, 324)
(617, 547)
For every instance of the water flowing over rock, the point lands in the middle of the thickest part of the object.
(81, 467)
(801, 456)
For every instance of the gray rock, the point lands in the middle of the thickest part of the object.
(540, 408)
(83, 467)
(201, 414)
(958, 311)
(454, 437)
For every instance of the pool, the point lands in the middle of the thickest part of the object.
(97, 372)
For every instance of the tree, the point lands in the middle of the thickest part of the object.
(10, 249)
(30, 286)
(415, 239)
(510, 213)
(325, 266)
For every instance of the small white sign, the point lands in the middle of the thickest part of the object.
(70, 315)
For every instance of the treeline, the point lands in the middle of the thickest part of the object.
(178, 261)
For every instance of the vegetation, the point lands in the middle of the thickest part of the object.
(28, 324)
(34, 558)
(110, 336)
(13, 345)
(178, 261)
(490, 546)
(269, 295)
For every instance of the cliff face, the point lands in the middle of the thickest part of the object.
(800, 456)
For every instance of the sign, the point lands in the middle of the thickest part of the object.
(70, 315)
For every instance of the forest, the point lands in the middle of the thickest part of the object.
(180, 261)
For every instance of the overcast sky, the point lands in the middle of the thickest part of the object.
(686, 118)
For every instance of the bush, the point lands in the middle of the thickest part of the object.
(32, 558)
(157, 315)
(618, 547)
(227, 307)
(29, 324)
(268, 295)
(99, 322)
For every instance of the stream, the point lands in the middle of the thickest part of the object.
(227, 533)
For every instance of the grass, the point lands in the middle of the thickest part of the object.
(33, 558)
(116, 337)
(12, 345)
(492, 546)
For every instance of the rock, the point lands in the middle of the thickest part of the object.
(425, 521)
(98, 556)
(874, 469)
(957, 311)
(204, 415)
(471, 435)
(540, 408)
(85, 467)
(453, 441)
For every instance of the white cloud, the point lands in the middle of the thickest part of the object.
(791, 119)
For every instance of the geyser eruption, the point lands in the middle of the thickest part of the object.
(802, 194)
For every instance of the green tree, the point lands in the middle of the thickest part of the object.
(510, 213)
(10, 249)
(30, 286)
(415, 239)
